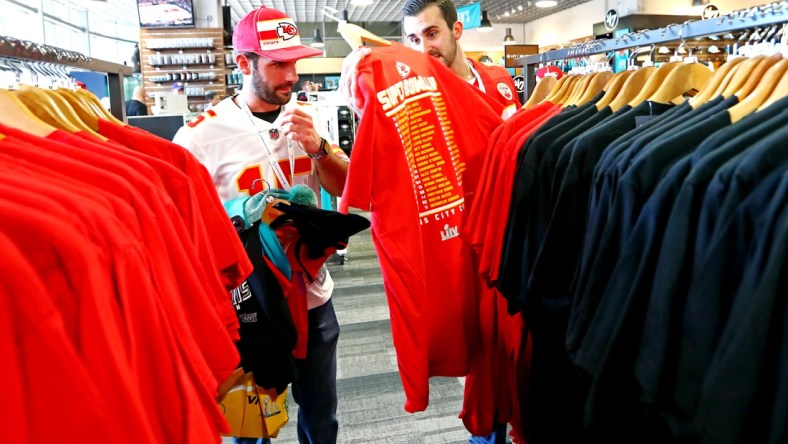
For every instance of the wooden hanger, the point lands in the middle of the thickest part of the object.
(632, 87)
(756, 75)
(716, 83)
(739, 76)
(597, 84)
(89, 106)
(45, 108)
(97, 106)
(682, 79)
(86, 115)
(778, 93)
(559, 87)
(67, 110)
(357, 36)
(760, 93)
(612, 88)
(14, 113)
(653, 83)
(572, 90)
(541, 90)
(577, 89)
(354, 35)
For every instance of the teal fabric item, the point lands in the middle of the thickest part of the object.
(235, 208)
(250, 211)
(326, 200)
(273, 250)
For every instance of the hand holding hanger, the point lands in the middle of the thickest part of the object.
(354, 35)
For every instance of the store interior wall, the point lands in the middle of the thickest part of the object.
(207, 13)
(684, 7)
(577, 22)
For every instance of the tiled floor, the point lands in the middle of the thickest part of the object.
(370, 391)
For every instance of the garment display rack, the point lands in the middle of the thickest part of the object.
(12, 48)
(755, 17)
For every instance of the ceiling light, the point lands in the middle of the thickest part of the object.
(317, 41)
(361, 2)
(663, 50)
(713, 49)
(509, 38)
(519, 7)
(545, 3)
(506, 14)
(486, 26)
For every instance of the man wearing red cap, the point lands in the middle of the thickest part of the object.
(260, 139)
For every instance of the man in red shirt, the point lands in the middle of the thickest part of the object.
(432, 27)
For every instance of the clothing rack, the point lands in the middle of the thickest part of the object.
(758, 16)
(12, 48)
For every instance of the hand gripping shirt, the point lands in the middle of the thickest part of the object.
(226, 142)
(418, 156)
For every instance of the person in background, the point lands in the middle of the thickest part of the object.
(306, 86)
(136, 105)
(213, 99)
(232, 142)
(177, 88)
(432, 27)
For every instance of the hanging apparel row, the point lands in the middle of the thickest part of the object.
(606, 225)
(641, 242)
(127, 257)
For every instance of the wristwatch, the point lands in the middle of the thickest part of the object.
(322, 152)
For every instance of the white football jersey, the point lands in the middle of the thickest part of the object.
(225, 140)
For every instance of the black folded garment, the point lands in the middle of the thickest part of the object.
(318, 229)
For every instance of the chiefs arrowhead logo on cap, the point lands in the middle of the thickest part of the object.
(286, 30)
(403, 69)
(505, 91)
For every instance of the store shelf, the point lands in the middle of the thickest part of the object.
(196, 61)
(209, 48)
(184, 64)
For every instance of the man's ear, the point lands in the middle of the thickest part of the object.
(244, 64)
(457, 30)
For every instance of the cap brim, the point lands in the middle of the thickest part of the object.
(290, 54)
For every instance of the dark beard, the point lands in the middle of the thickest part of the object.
(267, 92)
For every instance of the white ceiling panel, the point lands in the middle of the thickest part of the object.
(310, 11)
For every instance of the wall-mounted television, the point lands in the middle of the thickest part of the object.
(165, 13)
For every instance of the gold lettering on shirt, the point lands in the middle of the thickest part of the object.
(395, 94)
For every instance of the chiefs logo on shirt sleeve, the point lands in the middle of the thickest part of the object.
(505, 91)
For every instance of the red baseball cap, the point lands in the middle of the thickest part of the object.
(272, 34)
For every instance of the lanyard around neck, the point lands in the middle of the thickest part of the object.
(286, 185)
(479, 83)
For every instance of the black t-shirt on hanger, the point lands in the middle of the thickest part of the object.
(672, 271)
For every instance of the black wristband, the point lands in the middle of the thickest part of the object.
(322, 152)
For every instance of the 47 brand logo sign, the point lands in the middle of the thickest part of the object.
(611, 19)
